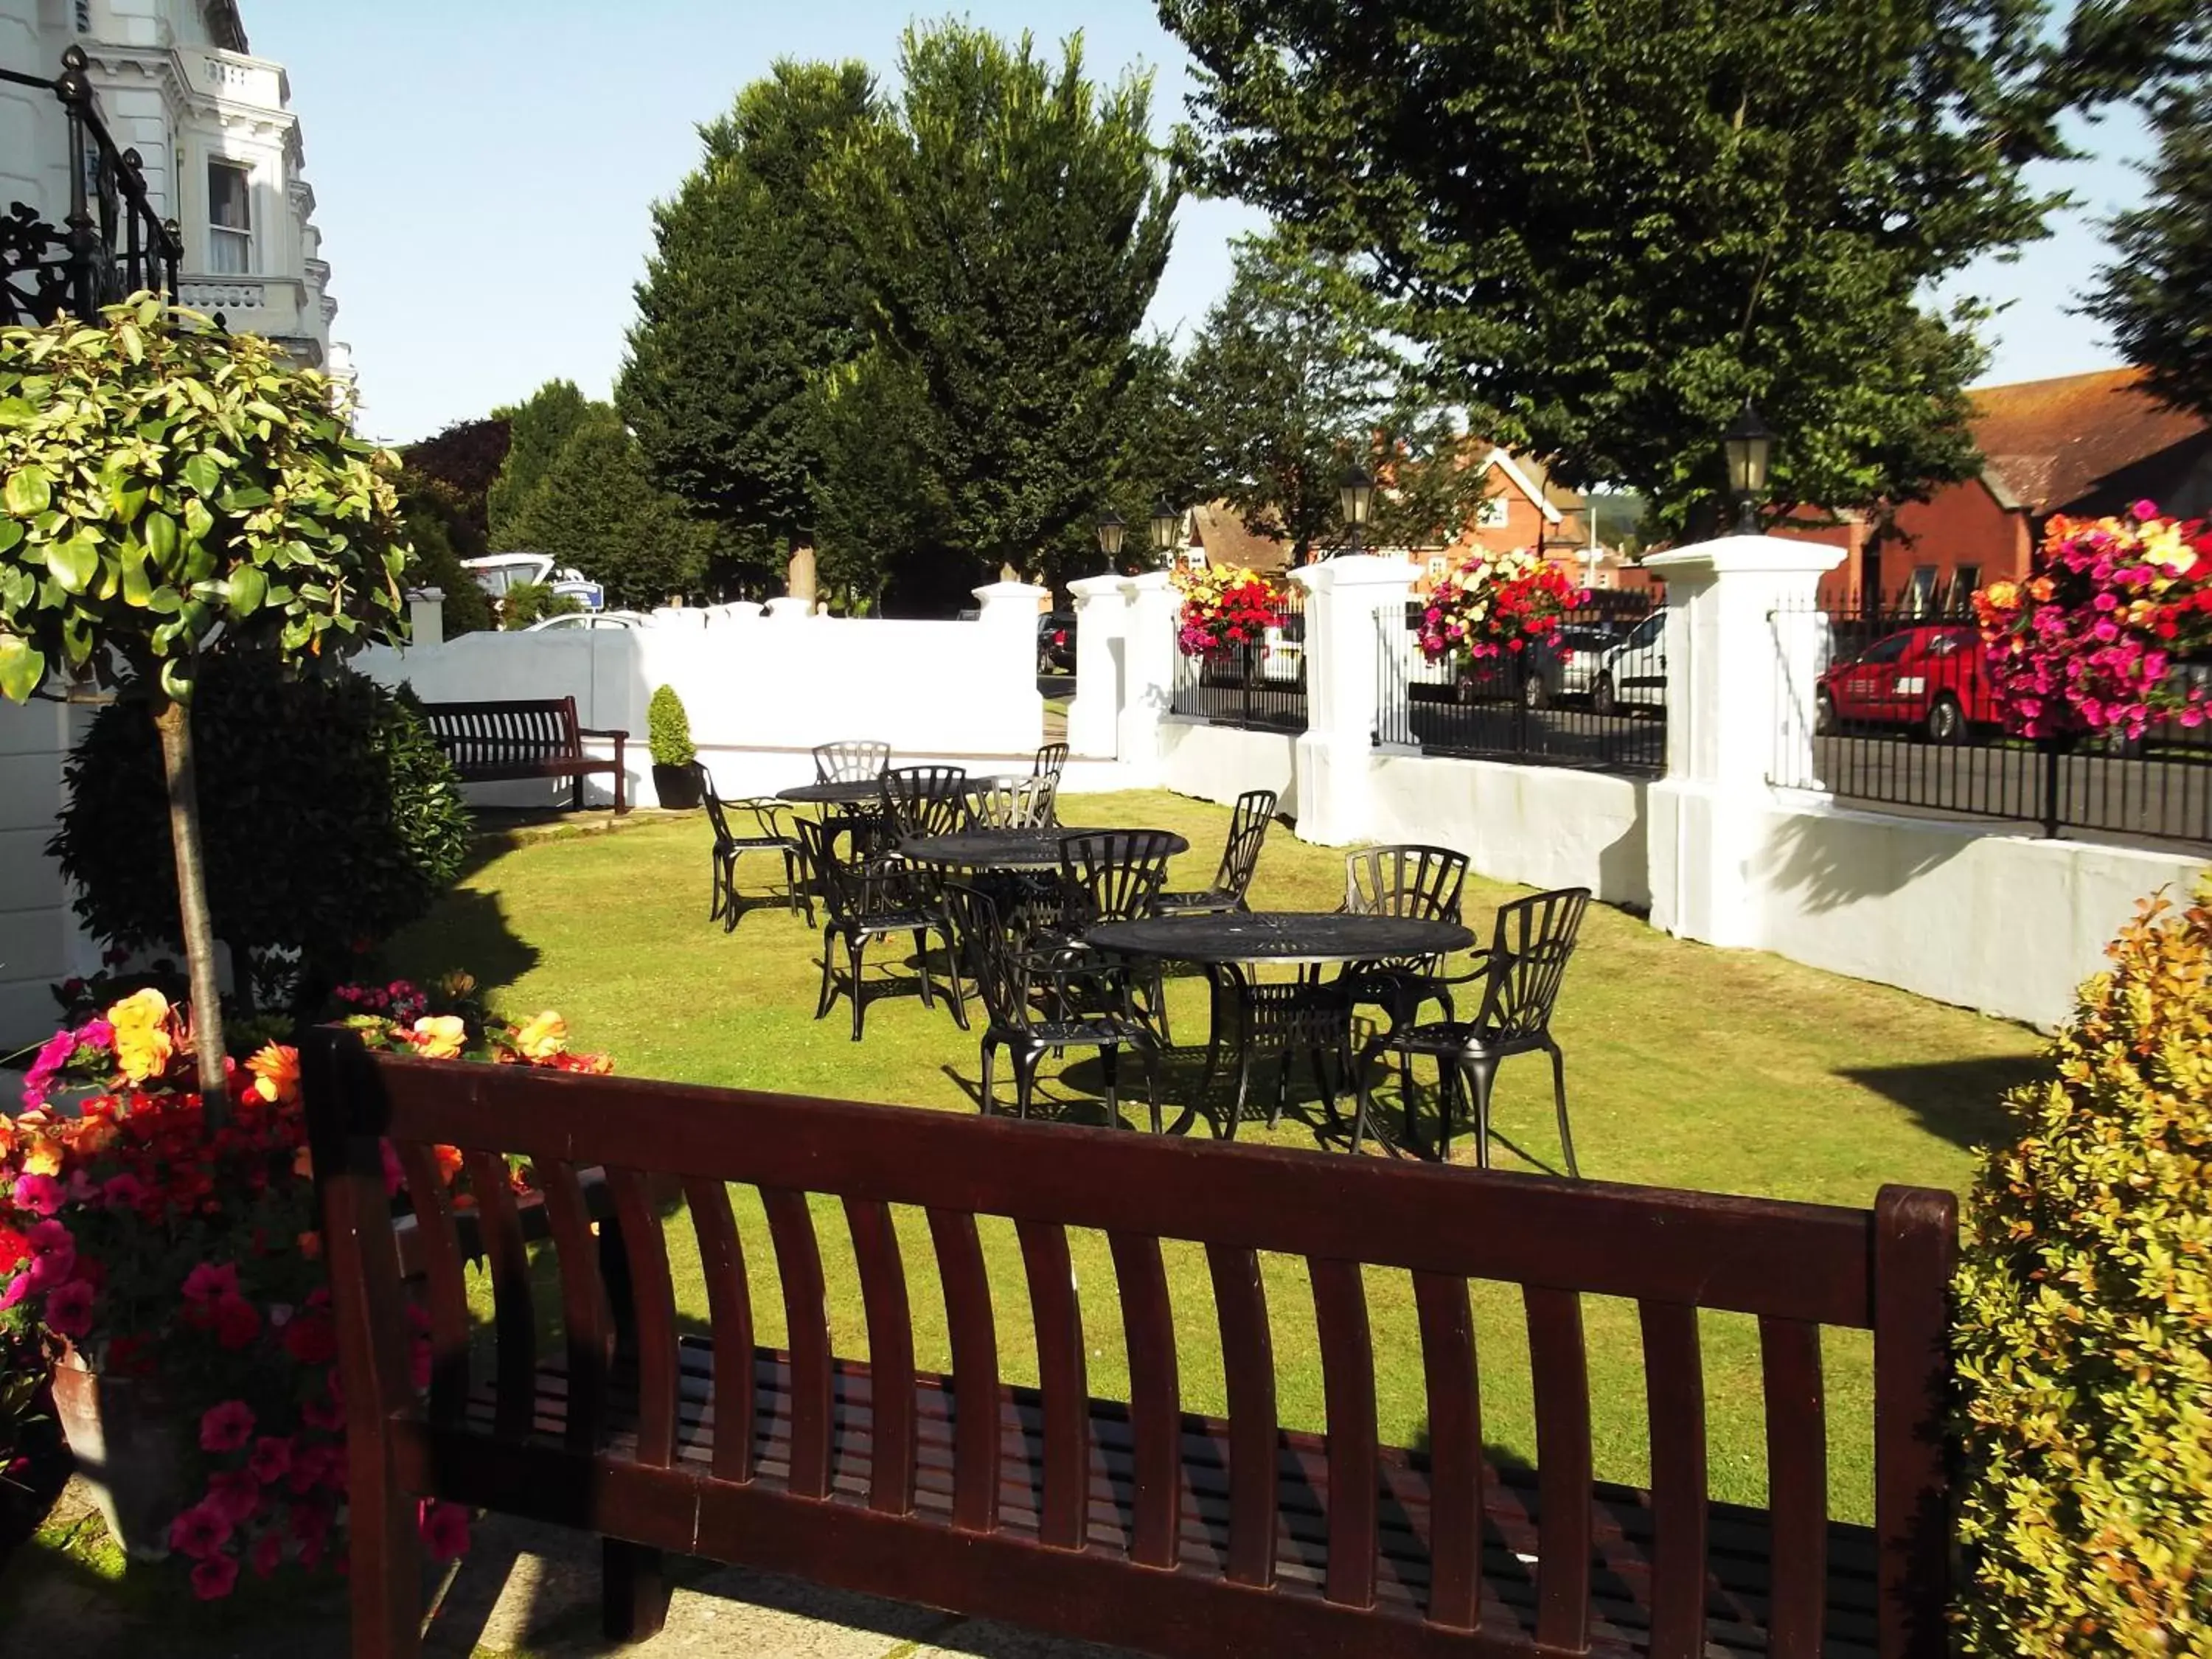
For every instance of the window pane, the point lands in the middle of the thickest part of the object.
(227, 196)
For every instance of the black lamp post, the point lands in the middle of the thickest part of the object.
(1356, 494)
(1748, 447)
(1167, 527)
(1109, 539)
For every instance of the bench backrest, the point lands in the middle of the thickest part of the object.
(501, 733)
(1795, 1267)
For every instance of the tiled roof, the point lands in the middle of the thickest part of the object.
(2052, 442)
(1219, 529)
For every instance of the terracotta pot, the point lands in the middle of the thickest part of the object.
(127, 1448)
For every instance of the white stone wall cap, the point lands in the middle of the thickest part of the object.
(1759, 555)
(1355, 570)
(1150, 581)
(1088, 589)
(437, 593)
(1002, 592)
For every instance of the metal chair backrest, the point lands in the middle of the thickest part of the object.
(1529, 952)
(927, 800)
(989, 954)
(853, 885)
(1051, 761)
(715, 813)
(1014, 804)
(1422, 883)
(1247, 834)
(855, 760)
(1113, 875)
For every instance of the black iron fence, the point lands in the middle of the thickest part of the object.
(1260, 684)
(111, 244)
(1593, 696)
(1903, 713)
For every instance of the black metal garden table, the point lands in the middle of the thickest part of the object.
(842, 791)
(1000, 849)
(1305, 1015)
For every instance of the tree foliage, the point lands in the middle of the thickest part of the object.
(538, 428)
(2156, 295)
(444, 532)
(1610, 223)
(465, 457)
(750, 299)
(596, 508)
(333, 819)
(1009, 224)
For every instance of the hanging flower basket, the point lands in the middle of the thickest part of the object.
(1492, 605)
(1226, 610)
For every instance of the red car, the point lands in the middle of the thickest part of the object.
(1931, 676)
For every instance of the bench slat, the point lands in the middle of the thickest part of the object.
(1674, 1401)
(1559, 1375)
(1450, 1376)
(799, 1264)
(891, 1353)
(448, 1295)
(1248, 1364)
(652, 1304)
(515, 1316)
(1797, 1483)
(730, 1316)
(1065, 1468)
(1155, 1401)
(584, 1316)
(1348, 1369)
(974, 1369)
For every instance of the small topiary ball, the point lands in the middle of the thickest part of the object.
(2084, 1339)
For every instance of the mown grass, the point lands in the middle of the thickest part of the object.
(1687, 1066)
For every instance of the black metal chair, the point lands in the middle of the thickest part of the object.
(1108, 875)
(854, 760)
(927, 800)
(1521, 972)
(1002, 981)
(1012, 803)
(761, 824)
(866, 898)
(1051, 761)
(1284, 1018)
(1240, 857)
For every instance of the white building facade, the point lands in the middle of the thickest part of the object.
(221, 148)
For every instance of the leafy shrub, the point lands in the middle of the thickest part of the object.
(2084, 1339)
(668, 729)
(331, 818)
(531, 602)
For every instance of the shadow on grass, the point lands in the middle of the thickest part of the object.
(1961, 1100)
(469, 931)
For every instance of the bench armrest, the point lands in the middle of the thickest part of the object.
(594, 731)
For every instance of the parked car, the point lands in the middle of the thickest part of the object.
(495, 573)
(1930, 676)
(1633, 673)
(575, 619)
(1535, 676)
(1056, 642)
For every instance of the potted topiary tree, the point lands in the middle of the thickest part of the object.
(2084, 1341)
(668, 730)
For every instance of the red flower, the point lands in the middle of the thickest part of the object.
(237, 1322)
(200, 1531)
(267, 1553)
(311, 1340)
(445, 1528)
(226, 1427)
(215, 1577)
(208, 1283)
(69, 1308)
(235, 1495)
(15, 1249)
(271, 1458)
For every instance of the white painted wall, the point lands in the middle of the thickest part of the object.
(39, 942)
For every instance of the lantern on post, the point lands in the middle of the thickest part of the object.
(1748, 446)
(1356, 494)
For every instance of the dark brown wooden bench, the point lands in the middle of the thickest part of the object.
(1137, 1524)
(505, 741)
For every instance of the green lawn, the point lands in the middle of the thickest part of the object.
(1687, 1066)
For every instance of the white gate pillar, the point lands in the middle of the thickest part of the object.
(1344, 595)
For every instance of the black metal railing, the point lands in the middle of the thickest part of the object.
(112, 243)
(1903, 714)
(1595, 696)
(1260, 684)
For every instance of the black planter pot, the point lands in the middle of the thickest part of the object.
(678, 787)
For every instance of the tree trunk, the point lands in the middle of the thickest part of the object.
(173, 721)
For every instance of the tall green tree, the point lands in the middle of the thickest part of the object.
(1612, 221)
(597, 509)
(2156, 294)
(751, 298)
(1011, 224)
(538, 429)
(1156, 456)
(1293, 380)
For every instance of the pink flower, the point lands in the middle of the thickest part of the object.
(200, 1531)
(307, 1468)
(226, 1427)
(2143, 511)
(41, 1194)
(50, 1239)
(124, 1192)
(208, 1281)
(444, 1529)
(18, 1288)
(94, 1036)
(271, 1458)
(394, 1176)
(69, 1308)
(52, 1271)
(267, 1553)
(215, 1577)
(322, 1414)
(235, 1495)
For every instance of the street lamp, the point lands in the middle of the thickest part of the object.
(1167, 527)
(1109, 539)
(1356, 494)
(1748, 447)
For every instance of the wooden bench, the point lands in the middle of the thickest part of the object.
(1136, 1523)
(504, 741)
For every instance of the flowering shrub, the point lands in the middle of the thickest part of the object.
(2086, 642)
(1495, 603)
(147, 1245)
(1224, 607)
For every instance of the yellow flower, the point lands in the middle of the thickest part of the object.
(542, 1037)
(143, 1046)
(440, 1037)
(2003, 596)
(2162, 545)
(44, 1158)
(276, 1071)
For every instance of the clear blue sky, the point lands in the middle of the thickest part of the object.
(483, 170)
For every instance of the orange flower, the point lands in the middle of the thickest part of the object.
(276, 1071)
(543, 1038)
(2040, 590)
(43, 1156)
(449, 1163)
(439, 1036)
(310, 1246)
(303, 1164)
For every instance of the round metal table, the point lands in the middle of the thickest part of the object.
(844, 792)
(1303, 939)
(1002, 850)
